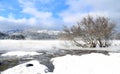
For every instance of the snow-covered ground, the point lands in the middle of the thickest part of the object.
(115, 43)
(87, 64)
(32, 67)
(36, 45)
(19, 54)
(28, 45)
(94, 63)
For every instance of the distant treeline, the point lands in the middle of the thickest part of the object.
(28, 36)
(7, 36)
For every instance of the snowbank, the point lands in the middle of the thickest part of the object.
(115, 43)
(87, 64)
(20, 53)
(34, 68)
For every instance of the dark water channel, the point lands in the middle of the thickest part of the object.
(44, 58)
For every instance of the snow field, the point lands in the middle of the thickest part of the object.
(28, 45)
(36, 45)
(87, 64)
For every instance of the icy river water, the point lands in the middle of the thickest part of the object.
(11, 61)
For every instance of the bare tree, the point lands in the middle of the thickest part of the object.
(92, 31)
(117, 36)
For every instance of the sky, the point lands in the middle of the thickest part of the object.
(53, 14)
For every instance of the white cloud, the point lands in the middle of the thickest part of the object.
(79, 8)
(42, 18)
(108, 5)
(37, 14)
(11, 20)
(9, 23)
(71, 18)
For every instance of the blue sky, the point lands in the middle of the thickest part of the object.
(53, 14)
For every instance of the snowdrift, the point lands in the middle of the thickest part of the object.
(32, 67)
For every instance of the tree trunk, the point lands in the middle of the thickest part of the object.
(76, 43)
(93, 45)
(100, 43)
